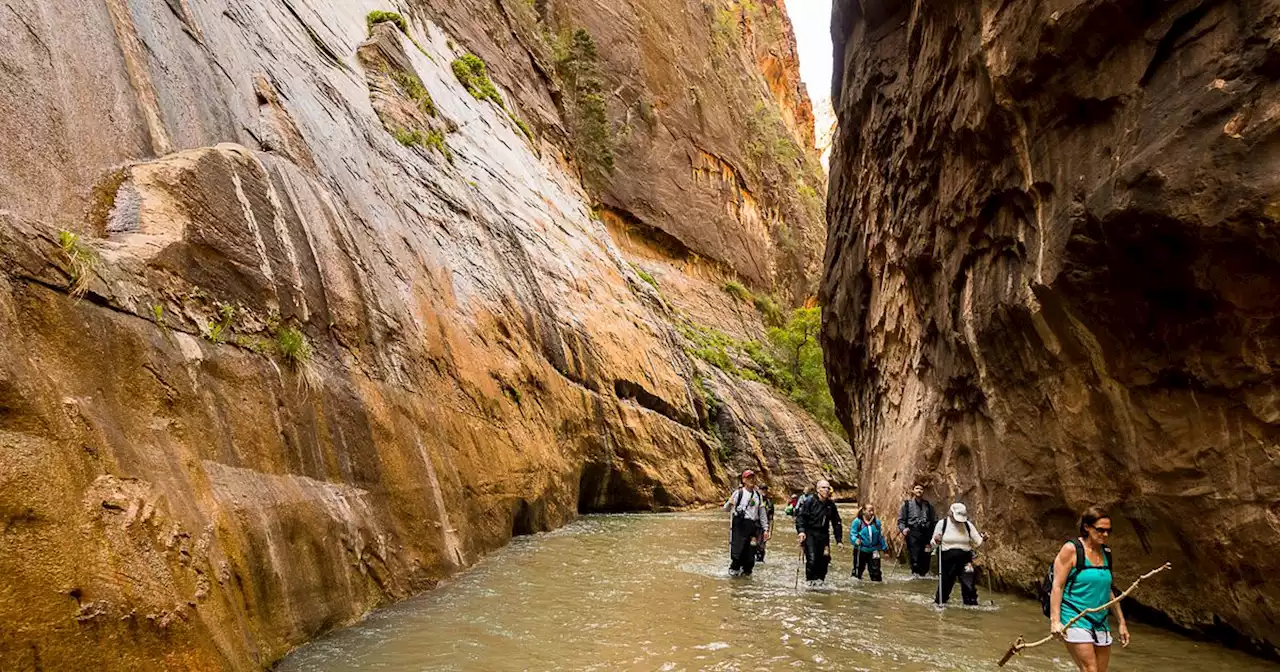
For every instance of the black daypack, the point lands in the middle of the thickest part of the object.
(967, 529)
(1046, 584)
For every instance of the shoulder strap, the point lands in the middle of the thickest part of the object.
(944, 527)
(737, 498)
(1079, 554)
(1106, 552)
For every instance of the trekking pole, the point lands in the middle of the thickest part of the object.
(941, 603)
(1019, 645)
(799, 561)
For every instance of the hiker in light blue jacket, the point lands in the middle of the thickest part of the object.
(867, 536)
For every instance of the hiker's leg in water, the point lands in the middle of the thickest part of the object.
(748, 560)
(824, 562)
(969, 581)
(915, 548)
(1103, 655)
(920, 556)
(950, 570)
(1084, 657)
(815, 568)
(873, 564)
(735, 564)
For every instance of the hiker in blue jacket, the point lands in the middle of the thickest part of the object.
(867, 536)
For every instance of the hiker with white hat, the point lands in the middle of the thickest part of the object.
(958, 539)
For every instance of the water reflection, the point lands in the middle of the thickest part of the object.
(652, 592)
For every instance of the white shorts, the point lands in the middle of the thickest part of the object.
(1085, 636)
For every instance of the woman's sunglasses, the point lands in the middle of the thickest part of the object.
(1102, 530)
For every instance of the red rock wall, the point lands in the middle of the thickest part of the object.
(186, 186)
(1051, 281)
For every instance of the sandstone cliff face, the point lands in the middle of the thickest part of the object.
(1051, 281)
(292, 325)
(700, 158)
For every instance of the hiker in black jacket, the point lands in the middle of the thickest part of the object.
(812, 520)
(916, 520)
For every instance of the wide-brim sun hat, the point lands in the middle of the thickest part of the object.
(959, 512)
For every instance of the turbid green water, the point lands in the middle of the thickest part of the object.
(652, 592)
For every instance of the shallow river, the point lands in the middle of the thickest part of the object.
(652, 592)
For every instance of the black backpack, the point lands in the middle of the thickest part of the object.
(1046, 584)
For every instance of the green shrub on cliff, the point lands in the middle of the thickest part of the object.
(520, 124)
(474, 77)
(737, 290)
(81, 260)
(770, 313)
(645, 275)
(791, 362)
(799, 355)
(577, 64)
(414, 89)
(218, 328)
(432, 139)
(294, 348)
(378, 16)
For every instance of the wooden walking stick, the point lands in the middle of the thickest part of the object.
(1020, 645)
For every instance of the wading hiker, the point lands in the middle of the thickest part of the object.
(749, 526)
(813, 517)
(958, 539)
(768, 510)
(916, 520)
(1082, 580)
(867, 536)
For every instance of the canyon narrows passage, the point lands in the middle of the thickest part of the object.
(582, 598)
(308, 304)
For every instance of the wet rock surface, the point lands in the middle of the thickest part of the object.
(1050, 282)
(292, 325)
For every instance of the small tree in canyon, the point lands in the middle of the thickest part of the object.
(577, 63)
(800, 365)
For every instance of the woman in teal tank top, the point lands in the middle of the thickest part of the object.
(1076, 589)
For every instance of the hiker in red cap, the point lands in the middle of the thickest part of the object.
(750, 525)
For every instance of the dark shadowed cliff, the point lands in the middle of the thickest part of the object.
(1052, 280)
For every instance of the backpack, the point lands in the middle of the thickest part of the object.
(967, 530)
(1046, 584)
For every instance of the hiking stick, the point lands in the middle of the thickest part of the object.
(1020, 645)
(799, 562)
(941, 603)
(893, 573)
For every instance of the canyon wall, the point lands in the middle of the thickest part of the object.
(1051, 281)
(300, 312)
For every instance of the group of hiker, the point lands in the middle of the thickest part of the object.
(1079, 579)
